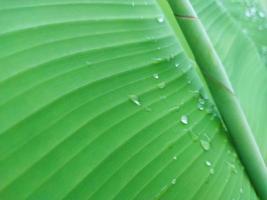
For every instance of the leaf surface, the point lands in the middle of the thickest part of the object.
(101, 99)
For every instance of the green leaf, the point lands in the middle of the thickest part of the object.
(103, 99)
(245, 26)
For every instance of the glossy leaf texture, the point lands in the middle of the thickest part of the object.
(100, 100)
(238, 31)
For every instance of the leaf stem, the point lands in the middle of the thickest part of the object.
(223, 94)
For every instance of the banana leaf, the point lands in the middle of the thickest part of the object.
(107, 100)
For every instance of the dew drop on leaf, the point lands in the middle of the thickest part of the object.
(161, 85)
(232, 167)
(201, 104)
(160, 19)
(156, 76)
(174, 158)
(205, 145)
(184, 119)
(208, 163)
(135, 99)
(212, 171)
(158, 59)
(173, 181)
(200, 107)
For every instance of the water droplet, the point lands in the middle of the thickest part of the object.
(205, 145)
(212, 171)
(135, 99)
(160, 19)
(208, 163)
(232, 167)
(241, 190)
(184, 119)
(133, 3)
(173, 181)
(201, 104)
(174, 157)
(156, 76)
(177, 64)
(158, 59)
(161, 85)
(200, 107)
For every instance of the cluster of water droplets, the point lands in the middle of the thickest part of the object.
(257, 16)
(254, 12)
(135, 98)
(201, 104)
(210, 166)
(161, 84)
(232, 167)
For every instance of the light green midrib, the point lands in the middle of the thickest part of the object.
(212, 66)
